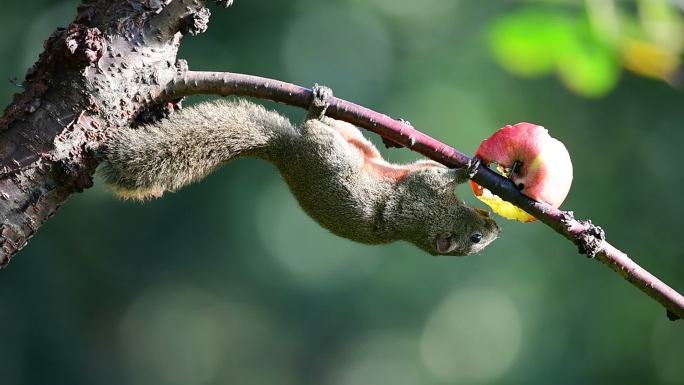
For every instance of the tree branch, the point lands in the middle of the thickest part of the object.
(589, 239)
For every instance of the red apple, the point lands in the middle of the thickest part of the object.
(537, 163)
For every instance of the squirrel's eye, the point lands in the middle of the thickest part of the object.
(475, 237)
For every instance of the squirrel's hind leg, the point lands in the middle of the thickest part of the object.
(351, 134)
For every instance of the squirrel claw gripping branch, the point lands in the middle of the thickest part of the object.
(319, 102)
(465, 173)
(472, 166)
(338, 177)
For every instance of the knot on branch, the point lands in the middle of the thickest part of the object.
(590, 239)
(195, 23)
(66, 49)
(588, 236)
(84, 45)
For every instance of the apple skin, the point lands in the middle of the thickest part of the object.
(543, 171)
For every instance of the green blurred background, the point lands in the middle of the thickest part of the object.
(228, 282)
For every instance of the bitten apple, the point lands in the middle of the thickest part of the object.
(538, 164)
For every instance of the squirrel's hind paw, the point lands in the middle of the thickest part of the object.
(319, 102)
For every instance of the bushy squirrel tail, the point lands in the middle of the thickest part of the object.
(145, 162)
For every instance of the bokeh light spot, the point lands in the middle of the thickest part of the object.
(43, 25)
(383, 358)
(415, 10)
(334, 45)
(311, 254)
(179, 335)
(667, 350)
(473, 336)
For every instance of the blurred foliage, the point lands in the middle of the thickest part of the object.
(228, 281)
(587, 43)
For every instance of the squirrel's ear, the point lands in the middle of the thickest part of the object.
(444, 244)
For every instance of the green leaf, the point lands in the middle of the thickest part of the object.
(534, 42)
(527, 42)
(587, 66)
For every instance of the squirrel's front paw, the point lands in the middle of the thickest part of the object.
(463, 174)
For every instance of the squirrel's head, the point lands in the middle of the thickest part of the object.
(440, 223)
(460, 231)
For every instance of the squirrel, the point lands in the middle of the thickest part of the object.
(338, 177)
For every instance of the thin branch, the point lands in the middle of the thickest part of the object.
(589, 238)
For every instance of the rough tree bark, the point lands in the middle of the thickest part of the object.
(115, 66)
(101, 72)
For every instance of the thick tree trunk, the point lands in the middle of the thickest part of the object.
(98, 74)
